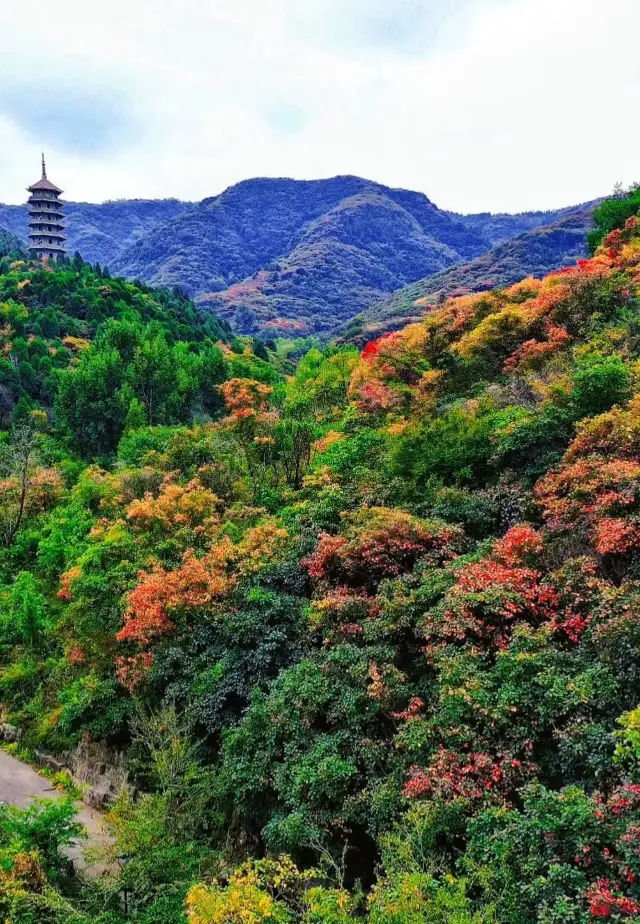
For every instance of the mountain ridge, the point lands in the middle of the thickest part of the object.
(281, 255)
(99, 230)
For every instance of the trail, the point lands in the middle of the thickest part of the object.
(20, 784)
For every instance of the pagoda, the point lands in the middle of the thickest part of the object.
(46, 219)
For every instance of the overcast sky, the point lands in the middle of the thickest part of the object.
(481, 104)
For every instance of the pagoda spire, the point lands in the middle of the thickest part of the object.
(47, 239)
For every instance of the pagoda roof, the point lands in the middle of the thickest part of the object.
(44, 184)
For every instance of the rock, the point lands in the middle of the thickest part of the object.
(10, 733)
(100, 771)
(51, 761)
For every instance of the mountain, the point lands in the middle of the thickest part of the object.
(9, 243)
(533, 253)
(100, 232)
(279, 255)
(502, 226)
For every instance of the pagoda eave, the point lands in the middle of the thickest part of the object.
(45, 248)
(49, 188)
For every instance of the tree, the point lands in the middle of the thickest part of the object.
(26, 486)
(89, 404)
(294, 434)
(24, 614)
(153, 377)
(612, 214)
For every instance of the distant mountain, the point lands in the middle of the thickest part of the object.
(502, 226)
(534, 253)
(280, 255)
(101, 232)
(9, 243)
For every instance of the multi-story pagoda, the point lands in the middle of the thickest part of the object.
(46, 219)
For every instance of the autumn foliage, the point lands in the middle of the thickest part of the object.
(381, 543)
(197, 582)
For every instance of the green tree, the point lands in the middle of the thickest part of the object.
(18, 464)
(89, 402)
(153, 376)
(24, 613)
(612, 214)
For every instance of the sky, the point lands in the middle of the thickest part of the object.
(484, 105)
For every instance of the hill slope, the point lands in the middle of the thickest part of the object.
(502, 226)
(533, 253)
(9, 243)
(105, 353)
(366, 640)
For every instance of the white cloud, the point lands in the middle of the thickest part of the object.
(482, 104)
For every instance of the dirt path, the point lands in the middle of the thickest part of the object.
(19, 784)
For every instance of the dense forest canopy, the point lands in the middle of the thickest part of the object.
(103, 351)
(368, 633)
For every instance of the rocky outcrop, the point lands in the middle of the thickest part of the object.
(10, 733)
(96, 769)
(100, 771)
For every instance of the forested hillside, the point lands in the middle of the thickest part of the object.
(368, 635)
(103, 352)
(301, 254)
(502, 226)
(280, 256)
